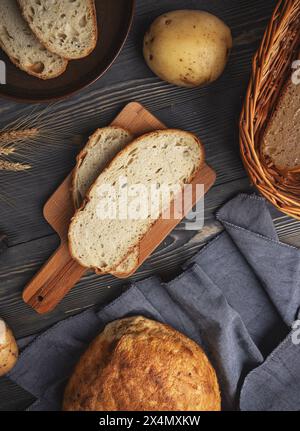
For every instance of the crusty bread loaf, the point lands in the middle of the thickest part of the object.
(101, 148)
(23, 48)
(281, 141)
(166, 157)
(137, 364)
(67, 28)
(8, 349)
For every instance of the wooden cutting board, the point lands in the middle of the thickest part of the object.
(61, 272)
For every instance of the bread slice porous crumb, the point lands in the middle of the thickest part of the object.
(165, 157)
(22, 46)
(281, 141)
(66, 27)
(101, 148)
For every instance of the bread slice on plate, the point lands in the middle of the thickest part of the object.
(22, 46)
(158, 159)
(281, 141)
(101, 148)
(67, 28)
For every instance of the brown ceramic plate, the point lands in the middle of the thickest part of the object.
(114, 21)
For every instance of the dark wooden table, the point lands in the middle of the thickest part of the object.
(210, 112)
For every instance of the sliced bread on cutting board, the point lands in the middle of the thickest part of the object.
(67, 28)
(101, 148)
(22, 46)
(166, 157)
(281, 141)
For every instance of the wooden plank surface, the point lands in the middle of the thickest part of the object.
(211, 112)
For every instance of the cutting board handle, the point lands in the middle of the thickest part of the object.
(42, 293)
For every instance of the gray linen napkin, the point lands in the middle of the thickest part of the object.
(237, 298)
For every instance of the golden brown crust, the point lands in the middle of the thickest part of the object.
(127, 149)
(9, 353)
(96, 28)
(137, 364)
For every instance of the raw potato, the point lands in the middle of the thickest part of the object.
(8, 349)
(188, 48)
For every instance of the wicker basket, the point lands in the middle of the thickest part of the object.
(271, 69)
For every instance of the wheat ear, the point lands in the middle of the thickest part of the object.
(8, 139)
(13, 167)
(15, 136)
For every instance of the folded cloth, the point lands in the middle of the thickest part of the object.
(237, 298)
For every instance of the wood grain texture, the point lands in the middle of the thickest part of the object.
(210, 112)
(3, 242)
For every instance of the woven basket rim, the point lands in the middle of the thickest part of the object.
(271, 68)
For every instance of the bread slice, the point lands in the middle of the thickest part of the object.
(66, 27)
(23, 48)
(101, 148)
(281, 141)
(166, 157)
